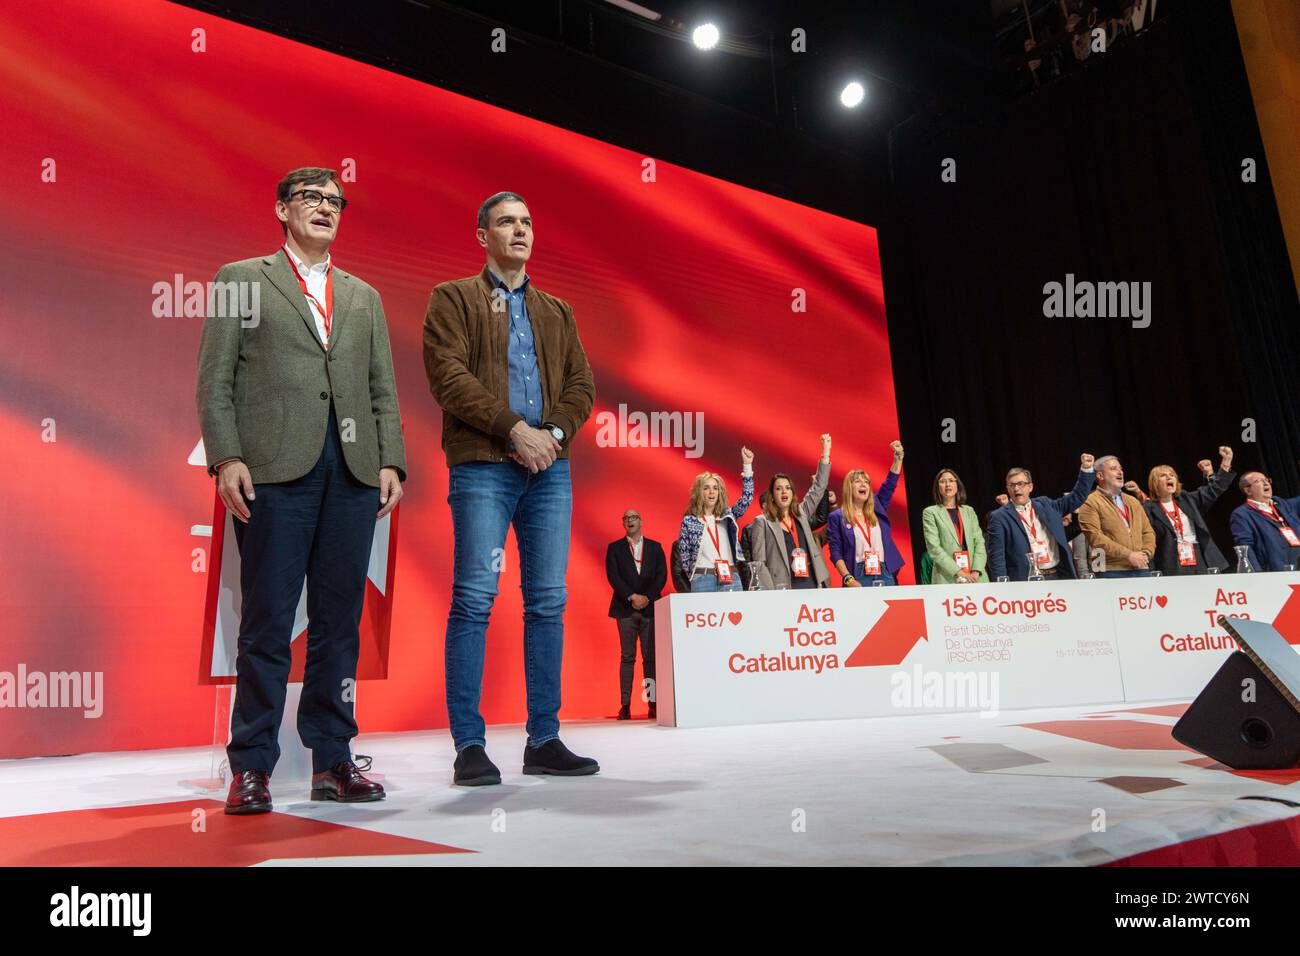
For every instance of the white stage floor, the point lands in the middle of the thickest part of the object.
(937, 789)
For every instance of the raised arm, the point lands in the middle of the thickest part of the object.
(1216, 483)
(746, 484)
(1082, 486)
(808, 506)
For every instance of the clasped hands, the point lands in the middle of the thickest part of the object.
(534, 448)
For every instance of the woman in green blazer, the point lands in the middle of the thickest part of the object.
(952, 534)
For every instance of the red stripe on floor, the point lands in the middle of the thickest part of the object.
(1276, 843)
(1121, 734)
(187, 833)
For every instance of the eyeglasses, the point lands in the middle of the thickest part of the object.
(311, 198)
(1017, 484)
(1258, 480)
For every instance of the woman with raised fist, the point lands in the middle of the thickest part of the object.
(710, 536)
(861, 543)
(785, 553)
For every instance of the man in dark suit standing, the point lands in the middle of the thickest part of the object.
(298, 408)
(637, 572)
(1027, 527)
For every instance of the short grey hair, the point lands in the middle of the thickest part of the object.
(1020, 471)
(1096, 465)
(496, 199)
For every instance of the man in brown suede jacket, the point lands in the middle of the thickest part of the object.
(1116, 525)
(506, 365)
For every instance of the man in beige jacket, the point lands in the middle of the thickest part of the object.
(1121, 541)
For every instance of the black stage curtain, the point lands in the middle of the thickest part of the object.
(1130, 170)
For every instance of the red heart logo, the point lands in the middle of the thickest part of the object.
(734, 617)
(1162, 600)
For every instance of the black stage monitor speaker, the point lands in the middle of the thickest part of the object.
(1248, 715)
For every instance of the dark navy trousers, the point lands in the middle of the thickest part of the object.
(318, 527)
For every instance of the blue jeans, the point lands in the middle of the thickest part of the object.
(869, 580)
(486, 498)
(705, 583)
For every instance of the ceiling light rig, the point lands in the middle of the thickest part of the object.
(706, 36)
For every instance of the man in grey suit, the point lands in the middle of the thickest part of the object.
(298, 407)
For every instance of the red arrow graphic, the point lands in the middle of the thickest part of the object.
(1287, 622)
(893, 636)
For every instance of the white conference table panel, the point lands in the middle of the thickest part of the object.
(864, 652)
(751, 657)
(1170, 643)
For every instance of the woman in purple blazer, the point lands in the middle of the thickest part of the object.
(861, 543)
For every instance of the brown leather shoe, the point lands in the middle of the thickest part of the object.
(344, 783)
(250, 792)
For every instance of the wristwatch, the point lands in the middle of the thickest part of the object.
(556, 432)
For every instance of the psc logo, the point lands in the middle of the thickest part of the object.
(712, 618)
(1142, 602)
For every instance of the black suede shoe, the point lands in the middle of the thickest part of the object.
(625, 712)
(554, 758)
(473, 769)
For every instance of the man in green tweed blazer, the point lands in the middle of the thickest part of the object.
(298, 407)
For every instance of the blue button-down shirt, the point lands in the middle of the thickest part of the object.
(525, 385)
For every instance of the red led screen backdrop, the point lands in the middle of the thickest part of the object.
(142, 144)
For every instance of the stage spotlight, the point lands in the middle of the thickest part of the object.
(705, 36)
(853, 94)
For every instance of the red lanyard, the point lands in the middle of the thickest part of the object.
(1123, 509)
(865, 533)
(791, 529)
(326, 310)
(1274, 512)
(1031, 524)
(1175, 518)
(714, 536)
(961, 528)
(632, 548)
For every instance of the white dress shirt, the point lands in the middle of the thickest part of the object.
(315, 277)
(708, 553)
(1029, 517)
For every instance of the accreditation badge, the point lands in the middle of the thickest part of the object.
(799, 563)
